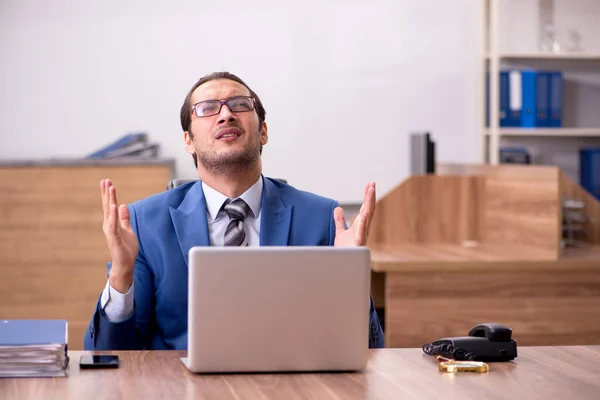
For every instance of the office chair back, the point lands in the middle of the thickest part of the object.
(178, 182)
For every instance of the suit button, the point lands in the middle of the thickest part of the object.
(91, 331)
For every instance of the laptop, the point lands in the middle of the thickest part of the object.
(278, 309)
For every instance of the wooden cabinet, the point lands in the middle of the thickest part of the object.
(53, 253)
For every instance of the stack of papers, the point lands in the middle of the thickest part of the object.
(33, 348)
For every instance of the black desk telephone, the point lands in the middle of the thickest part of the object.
(486, 342)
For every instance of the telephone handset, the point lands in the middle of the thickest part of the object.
(485, 342)
(492, 331)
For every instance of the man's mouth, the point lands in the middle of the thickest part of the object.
(228, 133)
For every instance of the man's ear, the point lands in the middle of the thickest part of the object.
(264, 134)
(189, 144)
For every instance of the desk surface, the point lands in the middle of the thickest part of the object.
(538, 373)
(446, 257)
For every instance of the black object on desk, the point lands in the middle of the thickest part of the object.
(485, 342)
(96, 362)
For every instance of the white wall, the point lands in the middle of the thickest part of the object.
(344, 82)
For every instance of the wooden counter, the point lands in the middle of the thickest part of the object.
(449, 252)
(53, 253)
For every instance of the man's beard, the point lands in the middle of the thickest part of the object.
(230, 163)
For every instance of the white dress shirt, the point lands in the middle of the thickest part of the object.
(118, 307)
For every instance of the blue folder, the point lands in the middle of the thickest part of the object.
(556, 99)
(542, 116)
(529, 92)
(24, 332)
(589, 170)
(504, 99)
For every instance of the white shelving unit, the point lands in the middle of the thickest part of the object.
(545, 132)
(548, 56)
(493, 60)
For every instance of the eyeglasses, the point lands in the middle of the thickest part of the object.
(237, 104)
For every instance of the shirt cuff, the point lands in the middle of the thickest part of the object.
(117, 307)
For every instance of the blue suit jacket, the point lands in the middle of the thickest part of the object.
(167, 226)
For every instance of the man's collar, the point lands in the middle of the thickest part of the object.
(215, 199)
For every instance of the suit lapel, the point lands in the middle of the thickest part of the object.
(189, 220)
(275, 217)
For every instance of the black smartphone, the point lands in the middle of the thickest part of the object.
(99, 362)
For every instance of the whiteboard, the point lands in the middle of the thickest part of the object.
(344, 83)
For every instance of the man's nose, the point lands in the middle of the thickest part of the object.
(226, 115)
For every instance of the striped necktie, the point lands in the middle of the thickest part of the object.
(234, 233)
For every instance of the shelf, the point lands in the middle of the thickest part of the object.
(558, 132)
(581, 70)
(571, 62)
(548, 56)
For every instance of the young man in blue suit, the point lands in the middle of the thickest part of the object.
(144, 302)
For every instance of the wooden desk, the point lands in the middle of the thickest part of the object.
(431, 291)
(512, 270)
(538, 373)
